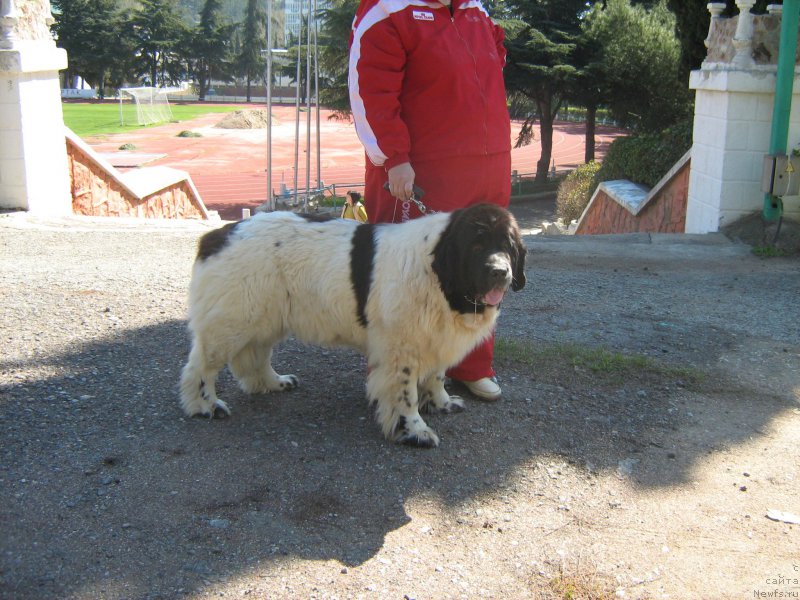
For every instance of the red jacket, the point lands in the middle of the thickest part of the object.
(425, 84)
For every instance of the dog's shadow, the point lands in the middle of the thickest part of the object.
(127, 485)
(139, 488)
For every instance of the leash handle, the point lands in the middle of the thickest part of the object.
(417, 193)
(416, 190)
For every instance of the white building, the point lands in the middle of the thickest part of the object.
(295, 12)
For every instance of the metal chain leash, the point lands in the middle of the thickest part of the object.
(417, 193)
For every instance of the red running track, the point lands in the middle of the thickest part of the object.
(228, 166)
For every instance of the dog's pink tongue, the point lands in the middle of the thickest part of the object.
(494, 297)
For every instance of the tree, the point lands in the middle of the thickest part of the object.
(123, 68)
(89, 30)
(541, 39)
(250, 61)
(636, 61)
(588, 88)
(337, 21)
(210, 47)
(159, 33)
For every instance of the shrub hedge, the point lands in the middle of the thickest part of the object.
(646, 158)
(575, 192)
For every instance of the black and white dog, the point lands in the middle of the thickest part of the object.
(415, 298)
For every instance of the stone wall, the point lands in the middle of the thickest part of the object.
(622, 207)
(34, 21)
(99, 191)
(766, 40)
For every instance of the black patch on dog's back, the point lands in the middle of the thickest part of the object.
(318, 217)
(362, 262)
(214, 241)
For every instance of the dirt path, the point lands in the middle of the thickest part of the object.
(650, 420)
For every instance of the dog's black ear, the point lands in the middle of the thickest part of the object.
(445, 261)
(518, 280)
(447, 256)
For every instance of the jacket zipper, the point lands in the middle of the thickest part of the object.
(477, 82)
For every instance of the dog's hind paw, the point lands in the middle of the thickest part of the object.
(445, 404)
(453, 404)
(263, 384)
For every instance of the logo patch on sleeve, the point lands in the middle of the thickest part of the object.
(421, 15)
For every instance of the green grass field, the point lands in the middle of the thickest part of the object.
(87, 118)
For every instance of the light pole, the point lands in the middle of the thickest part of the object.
(270, 51)
(270, 199)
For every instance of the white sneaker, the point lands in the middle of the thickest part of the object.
(485, 389)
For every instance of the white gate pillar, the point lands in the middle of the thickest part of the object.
(735, 89)
(34, 172)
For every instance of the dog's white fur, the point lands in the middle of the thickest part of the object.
(279, 274)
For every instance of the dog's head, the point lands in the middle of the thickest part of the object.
(478, 257)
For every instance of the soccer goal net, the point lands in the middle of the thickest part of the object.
(144, 105)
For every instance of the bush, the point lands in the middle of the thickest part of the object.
(646, 158)
(575, 192)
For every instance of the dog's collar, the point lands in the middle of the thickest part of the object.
(477, 303)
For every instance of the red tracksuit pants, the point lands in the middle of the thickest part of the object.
(449, 184)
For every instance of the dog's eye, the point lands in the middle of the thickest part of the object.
(477, 247)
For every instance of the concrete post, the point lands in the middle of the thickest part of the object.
(34, 173)
(743, 39)
(735, 90)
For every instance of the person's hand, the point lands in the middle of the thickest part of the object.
(401, 181)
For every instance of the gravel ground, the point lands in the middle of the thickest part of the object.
(649, 422)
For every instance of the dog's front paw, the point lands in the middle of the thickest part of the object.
(414, 432)
(219, 410)
(288, 382)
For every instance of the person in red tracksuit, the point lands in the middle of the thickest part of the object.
(429, 105)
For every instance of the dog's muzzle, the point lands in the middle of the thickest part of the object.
(499, 278)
